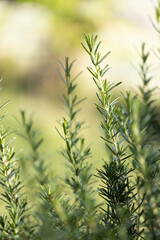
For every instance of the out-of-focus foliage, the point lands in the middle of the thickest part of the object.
(70, 18)
(34, 34)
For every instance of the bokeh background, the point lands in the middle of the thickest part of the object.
(34, 34)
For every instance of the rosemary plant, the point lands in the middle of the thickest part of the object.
(15, 224)
(32, 137)
(129, 178)
(76, 153)
(116, 189)
(145, 130)
(149, 112)
(48, 220)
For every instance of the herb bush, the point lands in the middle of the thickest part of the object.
(129, 178)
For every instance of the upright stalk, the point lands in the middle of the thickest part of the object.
(76, 154)
(117, 190)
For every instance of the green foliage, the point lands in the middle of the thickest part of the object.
(76, 154)
(117, 190)
(15, 224)
(37, 158)
(66, 15)
(128, 179)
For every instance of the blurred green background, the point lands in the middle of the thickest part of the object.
(34, 34)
